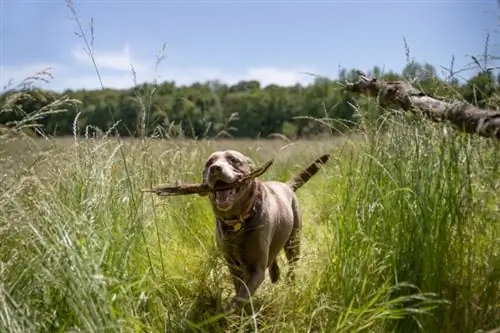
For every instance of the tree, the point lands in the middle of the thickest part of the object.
(242, 110)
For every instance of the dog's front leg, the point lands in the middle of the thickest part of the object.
(237, 275)
(255, 278)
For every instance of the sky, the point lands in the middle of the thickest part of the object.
(276, 42)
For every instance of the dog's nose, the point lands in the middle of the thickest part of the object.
(215, 169)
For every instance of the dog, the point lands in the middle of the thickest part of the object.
(254, 221)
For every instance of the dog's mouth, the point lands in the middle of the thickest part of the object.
(224, 198)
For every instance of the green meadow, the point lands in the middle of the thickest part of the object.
(401, 228)
(400, 234)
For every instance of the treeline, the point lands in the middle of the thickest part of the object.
(212, 109)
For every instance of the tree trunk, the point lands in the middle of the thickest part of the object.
(400, 94)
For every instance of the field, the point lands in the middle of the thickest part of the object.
(401, 234)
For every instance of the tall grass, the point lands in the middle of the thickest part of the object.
(401, 233)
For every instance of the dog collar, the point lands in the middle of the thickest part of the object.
(238, 222)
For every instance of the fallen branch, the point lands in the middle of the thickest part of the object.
(400, 94)
(186, 189)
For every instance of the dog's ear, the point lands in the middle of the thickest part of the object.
(204, 180)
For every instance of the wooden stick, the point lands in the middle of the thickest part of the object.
(186, 189)
(462, 115)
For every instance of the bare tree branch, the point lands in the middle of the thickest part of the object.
(400, 94)
(186, 189)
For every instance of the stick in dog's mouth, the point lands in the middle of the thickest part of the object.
(224, 196)
(186, 189)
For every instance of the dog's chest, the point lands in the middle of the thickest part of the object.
(242, 243)
(235, 235)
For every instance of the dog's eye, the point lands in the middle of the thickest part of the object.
(210, 161)
(233, 160)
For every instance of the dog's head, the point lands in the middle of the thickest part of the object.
(226, 167)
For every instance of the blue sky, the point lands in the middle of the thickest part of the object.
(271, 41)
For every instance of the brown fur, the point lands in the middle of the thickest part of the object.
(268, 214)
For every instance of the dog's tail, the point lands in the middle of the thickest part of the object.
(296, 182)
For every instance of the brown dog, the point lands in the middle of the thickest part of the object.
(255, 220)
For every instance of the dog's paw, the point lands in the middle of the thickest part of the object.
(235, 305)
(228, 308)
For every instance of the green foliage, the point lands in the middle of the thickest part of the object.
(400, 232)
(242, 110)
(400, 227)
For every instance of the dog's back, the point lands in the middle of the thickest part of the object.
(282, 201)
(286, 221)
(285, 191)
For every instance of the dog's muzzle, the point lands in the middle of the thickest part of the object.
(216, 176)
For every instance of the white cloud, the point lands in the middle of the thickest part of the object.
(115, 70)
(113, 60)
(89, 82)
(64, 79)
(14, 75)
(285, 77)
(265, 75)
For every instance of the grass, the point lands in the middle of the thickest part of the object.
(400, 234)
